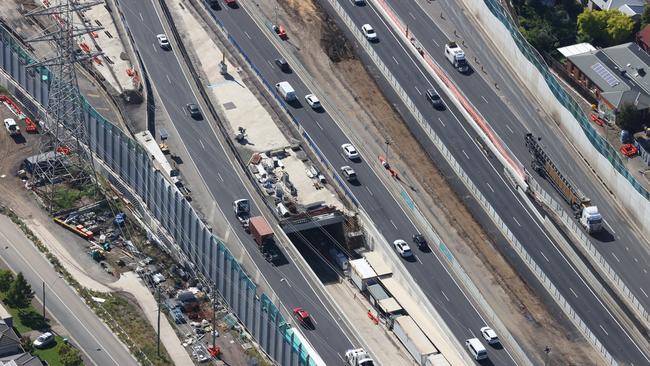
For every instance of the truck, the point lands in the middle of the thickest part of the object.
(12, 127)
(286, 91)
(414, 340)
(358, 357)
(456, 56)
(261, 231)
(242, 209)
(586, 213)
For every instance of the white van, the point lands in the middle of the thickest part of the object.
(286, 91)
(476, 348)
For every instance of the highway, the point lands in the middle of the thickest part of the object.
(620, 243)
(86, 330)
(450, 301)
(220, 175)
(486, 172)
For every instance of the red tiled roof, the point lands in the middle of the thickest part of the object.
(644, 35)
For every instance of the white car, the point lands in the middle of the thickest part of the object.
(349, 173)
(489, 335)
(369, 32)
(313, 101)
(163, 41)
(12, 127)
(44, 340)
(402, 248)
(350, 151)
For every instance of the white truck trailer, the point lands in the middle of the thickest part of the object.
(456, 56)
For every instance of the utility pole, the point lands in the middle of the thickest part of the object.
(387, 146)
(44, 301)
(547, 350)
(158, 340)
(214, 315)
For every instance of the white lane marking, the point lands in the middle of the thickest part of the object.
(615, 257)
(391, 221)
(510, 129)
(203, 146)
(155, 48)
(369, 191)
(220, 177)
(646, 295)
(573, 292)
(467, 156)
(434, 41)
(542, 253)
(412, 16)
(395, 60)
(443, 124)
(636, 260)
(645, 271)
(486, 102)
(601, 327)
(445, 295)
(249, 37)
(319, 126)
(141, 18)
(418, 90)
(168, 79)
(609, 227)
(627, 249)
(514, 218)
(418, 258)
(489, 186)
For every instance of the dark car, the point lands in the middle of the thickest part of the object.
(434, 99)
(420, 241)
(194, 110)
(283, 64)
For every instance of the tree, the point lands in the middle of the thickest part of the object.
(70, 356)
(629, 118)
(619, 27)
(604, 27)
(6, 278)
(20, 293)
(645, 16)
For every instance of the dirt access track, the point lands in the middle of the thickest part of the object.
(350, 85)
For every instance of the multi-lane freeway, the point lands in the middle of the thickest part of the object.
(220, 175)
(486, 172)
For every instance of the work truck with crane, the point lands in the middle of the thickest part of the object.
(586, 213)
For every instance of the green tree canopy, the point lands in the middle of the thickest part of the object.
(604, 27)
(645, 16)
(70, 356)
(629, 118)
(20, 292)
(6, 278)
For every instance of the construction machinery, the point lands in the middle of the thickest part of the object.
(583, 210)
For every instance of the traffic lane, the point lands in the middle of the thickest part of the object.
(161, 65)
(513, 217)
(86, 330)
(629, 252)
(332, 150)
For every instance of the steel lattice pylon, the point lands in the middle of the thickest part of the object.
(64, 154)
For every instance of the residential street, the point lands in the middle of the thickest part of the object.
(87, 331)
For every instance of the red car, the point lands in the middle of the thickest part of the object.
(302, 315)
(231, 3)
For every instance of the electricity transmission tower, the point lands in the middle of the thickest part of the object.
(64, 151)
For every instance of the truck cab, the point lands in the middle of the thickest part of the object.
(591, 219)
(456, 56)
(358, 357)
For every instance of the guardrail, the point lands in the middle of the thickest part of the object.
(487, 207)
(202, 249)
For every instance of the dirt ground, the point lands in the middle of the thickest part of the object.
(350, 86)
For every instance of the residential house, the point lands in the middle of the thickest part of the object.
(643, 38)
(631, 8)
(9, 341)
(616, 76)
(21, 359)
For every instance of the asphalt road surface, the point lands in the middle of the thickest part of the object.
(221, 178)
(486, 172)
(86, 330)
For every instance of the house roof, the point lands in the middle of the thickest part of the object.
(627, 7)
(576, 49)
(9, 341)
(621, 72)
(21, 359)
(644, 35)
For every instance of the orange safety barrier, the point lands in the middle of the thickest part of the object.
(63, 150)
(31, 126)
(84, 47)
(372, 317)
(629, 150)
(130, 72)
(597, 120)
(94, 34)
(214, 351)
(11, 105)
(97, 60)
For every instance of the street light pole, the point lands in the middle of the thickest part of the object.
(44, 301)
(158, 340)
(387, 146)
(547, 350)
